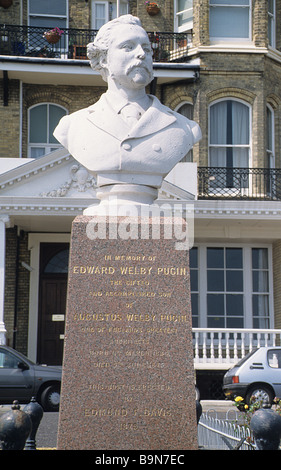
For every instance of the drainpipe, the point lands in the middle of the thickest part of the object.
(20, 119)
(4, 219)
(16, 290)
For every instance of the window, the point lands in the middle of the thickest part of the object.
(271, 23)
(8, 360)
(48, 13)
(229, 142)
(58, 263)
(231, 286)
(230, 19)
(260, 286)
(225, 307)
(106, 11)
(186, 110)
(194, 285)
(184, 15)
(270, 163)
(274, 358)
(43, 119)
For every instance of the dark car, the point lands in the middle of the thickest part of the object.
(21, 379)
(257, 377)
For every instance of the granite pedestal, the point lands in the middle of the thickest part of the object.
(128, 376)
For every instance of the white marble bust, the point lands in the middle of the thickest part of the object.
(128, 149)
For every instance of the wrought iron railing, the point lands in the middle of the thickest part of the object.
(223, 434)
(239, 183)
(72, 44)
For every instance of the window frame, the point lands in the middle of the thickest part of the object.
(272, 20)
(182, 29)
(212, 188)
(270, 153)
(232, 39)
(65, 17)
(47, 15)
(189, 156)
(107, 5)
(247, 281)
(47, 145)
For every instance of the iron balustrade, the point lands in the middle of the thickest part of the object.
(16, 40)
(239, 183)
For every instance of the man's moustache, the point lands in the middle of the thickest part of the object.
(138, 65)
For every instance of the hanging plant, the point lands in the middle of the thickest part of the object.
(152, 8)
(6, 3)
(53, 35)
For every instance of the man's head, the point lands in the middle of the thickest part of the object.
(122, 51)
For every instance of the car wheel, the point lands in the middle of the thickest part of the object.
(259, 394)
(50, 398)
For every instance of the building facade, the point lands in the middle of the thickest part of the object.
(217, 62)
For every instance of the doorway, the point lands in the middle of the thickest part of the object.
(52, 302)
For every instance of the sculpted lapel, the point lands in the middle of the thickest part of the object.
(156, 118)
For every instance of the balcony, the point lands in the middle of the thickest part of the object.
(239, 183)
(222, 348)
(28, 41)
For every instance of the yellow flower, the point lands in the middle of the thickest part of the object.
(237, 399)
(246, 407)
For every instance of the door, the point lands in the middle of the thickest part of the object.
(52, 302)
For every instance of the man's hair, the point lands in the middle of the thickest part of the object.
(97, 49)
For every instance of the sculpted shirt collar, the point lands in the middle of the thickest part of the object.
(117, 102)
(104, 114)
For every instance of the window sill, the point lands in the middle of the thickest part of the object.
(237, 47)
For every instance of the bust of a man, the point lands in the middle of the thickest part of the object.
(128, 140)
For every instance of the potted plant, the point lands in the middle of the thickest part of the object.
(53, 35)
(152, 8)
(6, 3)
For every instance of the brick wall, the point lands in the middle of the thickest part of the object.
(10, 120)
(11, 15)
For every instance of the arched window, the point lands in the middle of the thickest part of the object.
(229, 143)
(229, 134)
(186, 109)
(42, 120)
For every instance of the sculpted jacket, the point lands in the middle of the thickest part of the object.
(99, 139)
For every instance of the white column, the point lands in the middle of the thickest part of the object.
(3, 220)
